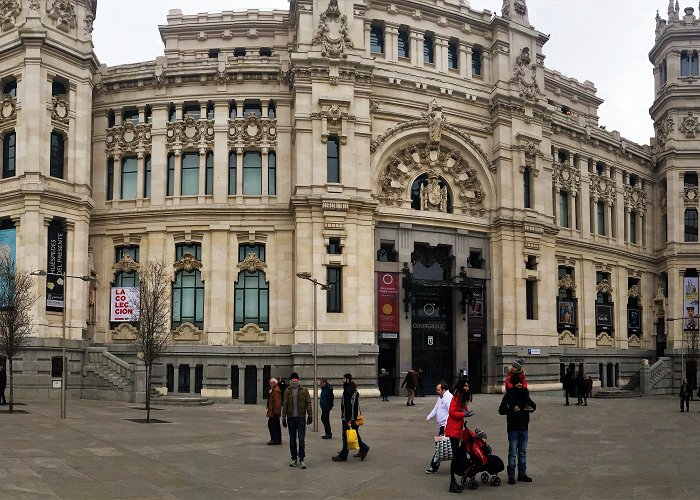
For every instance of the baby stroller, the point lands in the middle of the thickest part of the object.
(479, 460)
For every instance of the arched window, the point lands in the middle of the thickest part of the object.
(188, 289)
(172, 112)
(111, 119)
(9, 154)
(252, 173)
(691, 225)
(57, 159)
(415, 192)
(190, 174)
(251, 293)
(232, 110)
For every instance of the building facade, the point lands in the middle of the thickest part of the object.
(458, 196)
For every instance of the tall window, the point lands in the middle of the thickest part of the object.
(271, 110)
(232, 110)
(56, 160)
(404, 43)
(251, 294)
(123, 278)
(9, 154)
(147, 177)
(271, 173)
(600, 214)
(252, 107)
(334, 295)
(477, 53)
(129, 178)
(190, 174)
(170, 181)
(452, 54)
(110, 178)
(428, 48)
(691, 225)
(232, 161)
(663, 72)
(333, 159)
(9, 87)
(633, 227)
(188, 290)
(210, 110)
(252, 172)
(172, 112)
(689, 63)
(527, 187)
(563, 209)
(376, 39)
(531, 299)
(209, 174)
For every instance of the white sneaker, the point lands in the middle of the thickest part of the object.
(302, 465)
(294, 463)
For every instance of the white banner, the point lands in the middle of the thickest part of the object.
(124, 305)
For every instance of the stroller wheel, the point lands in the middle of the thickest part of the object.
(495, 481)
(485, 477)
(464, 480)
(473, 484)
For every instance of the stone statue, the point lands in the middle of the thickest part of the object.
(436, 121)
(433, 198)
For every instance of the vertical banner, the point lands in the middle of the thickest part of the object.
(388, 302)
(690, 303)
(476, 313)
(55, 267)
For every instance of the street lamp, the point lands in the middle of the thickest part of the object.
(307, 276)
(63, 340)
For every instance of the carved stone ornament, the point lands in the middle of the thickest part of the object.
(519, 6)
(126, 265)
(635, 199)
(663, 129)
(187, 263)
(433, 198)
(60, 108)
(332, 32)
(87, 22)
(417, 158)
(8, 108)
(252, 131)
(190, 132)
(436, 121)
(566, 282)
(526, 90)
(567, 338)
(604, 288)
(690, 125)
(634, 292)
(604, 340)
(567, 178)
(250, 332)
(221, 78)
(124, 331)
(34, 4)
(63, 12)
(603, 188)
(187, 332)
(9, 10)
(663, 200)
(690, 194)
(129, 137)
(634, 341)
(159, 80)
(374, 106)
(252, 263)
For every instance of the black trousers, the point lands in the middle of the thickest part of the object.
(326, 421)
(457, 461)
(344, 452)
(273, 425)
(687, 403)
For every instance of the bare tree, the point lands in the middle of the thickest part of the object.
(154, 334)
(17, 298)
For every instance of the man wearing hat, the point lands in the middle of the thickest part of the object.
(296, 415)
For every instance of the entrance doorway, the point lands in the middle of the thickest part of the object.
(475, 366)
(432, 342)
(250, 388)
(387, 360)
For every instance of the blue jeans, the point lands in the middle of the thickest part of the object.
(297, 428)
(517, 444)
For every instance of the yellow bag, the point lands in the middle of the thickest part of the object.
(351, 436)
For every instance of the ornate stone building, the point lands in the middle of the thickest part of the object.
(458, 196)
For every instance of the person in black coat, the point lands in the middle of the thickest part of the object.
(384, 382)
(685, 394)
(3, 384)
(517, 406)
(349, 411)
(581, 389)
(567, 381)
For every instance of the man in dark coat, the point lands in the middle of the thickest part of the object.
(383, 382)
(296, 404)
(568, 382)
(517, 406)
(3, 384)
(349, 410)
(581, 389)
(410, 384)
(274, 410)
(685, 394)
(326, 403)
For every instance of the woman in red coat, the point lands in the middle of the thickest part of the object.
(455, 426)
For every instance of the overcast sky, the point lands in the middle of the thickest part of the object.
(604, 41)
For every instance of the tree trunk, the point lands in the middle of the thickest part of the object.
(11, 386)
(148, 393)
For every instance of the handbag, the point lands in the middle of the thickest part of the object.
(351, 437)
(443, 448)
(360, 420)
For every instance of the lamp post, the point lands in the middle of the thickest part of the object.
(307, 276)
(64, 366)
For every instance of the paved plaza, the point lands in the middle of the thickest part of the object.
(627, 448)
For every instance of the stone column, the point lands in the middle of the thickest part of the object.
(469, 73)
(192, 378)
(176, 377)
(221, 152)
(463, 68)
(117, 183)
(391, 36)
(440, 47)
(368, 45)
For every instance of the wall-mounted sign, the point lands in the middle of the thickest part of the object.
(124, 304)
(634, 324)
(388, 302)
(388, 336)
(533, 351)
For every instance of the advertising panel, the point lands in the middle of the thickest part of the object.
(567, 315)
(388, 302)
(124, 304)
(690, 303)
(55, 267)
(603, 317)
(476, 313)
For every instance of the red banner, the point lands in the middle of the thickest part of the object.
(388, 303)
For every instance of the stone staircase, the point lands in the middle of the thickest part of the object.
(181, 400)
(617, 393)
(105, 376)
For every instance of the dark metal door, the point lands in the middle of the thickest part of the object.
(432, 342)
(250, 394)
(474, 366)
(170, 378)
(183, 378)
(198, 378)
(235, 382)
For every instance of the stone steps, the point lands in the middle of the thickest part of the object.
(182, 401)
(617, 394)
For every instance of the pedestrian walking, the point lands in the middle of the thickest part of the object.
(685, 394)
(589, 387)
(440, 412)
(581, 389)
(274, 410)
(349, 411)
(326, 402)
(516, 405)
(567, 381)
(383, 382)
(410, 384)
(454, 428)
(3, 385)
(297, 414)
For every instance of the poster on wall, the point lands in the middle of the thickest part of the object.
(603, 317)
(124, 304)
(634, 323)
(55, 267)
(387, 302)
(476, 312)
(690, 303)
(566, 316)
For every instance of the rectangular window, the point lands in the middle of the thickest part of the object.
(563, 209)
(334, 247)
(404, 44)
(376, 39)
(192, 109)
(190, 174)
(334, 295)
(600, 214)
(209, 177)
(147, 177)
(130, 114)
(56, 367)
(252, 173)
(691, 225)
(57, 158)
(452, 55)
(527, 189)
(170, 181)
(272, 173)
(531, 299)
(245, 250)
(10, 88)
(333, 159)
(663, 74)
(9, 153)
(110, 178)
(232, 161)
(129, 178)
(476, 61)
(252, 107)
(633, 227)
(428, 49)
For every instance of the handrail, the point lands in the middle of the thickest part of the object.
(659, 370)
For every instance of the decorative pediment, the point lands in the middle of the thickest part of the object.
(187, 263)
(60, 108)
(603, 188)
(63, 12)
(332, 32)
(604, 340)
(604, 288)
(634, 292)
(126, 265)
(252, 263)
(635, 199)
(566, 338)
(9, 10)
(634, 341)
(187, 332)
(252, 131)
(8, 108)
(566, 282)
(129, 137)
(526, 89)
(125, 331)
(250, 332)
(190, 132)
(567, 178)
